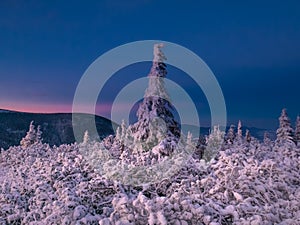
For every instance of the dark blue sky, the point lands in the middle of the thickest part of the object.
(252, 47)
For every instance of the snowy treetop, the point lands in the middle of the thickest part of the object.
(158, 54)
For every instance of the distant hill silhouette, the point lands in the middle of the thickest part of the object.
(57, 128)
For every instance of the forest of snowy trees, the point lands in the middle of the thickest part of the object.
(148, 173)
(248, 182)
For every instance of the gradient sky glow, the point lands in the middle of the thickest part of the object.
(252, 47)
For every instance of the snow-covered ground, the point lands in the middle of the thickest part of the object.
(248, 183)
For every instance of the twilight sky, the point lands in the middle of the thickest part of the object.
(253, 49)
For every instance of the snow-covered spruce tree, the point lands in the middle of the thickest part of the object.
(297, 131)
(248, 137)
(285, 131)
(123, 136)
(213, 143)
(230, 136)
(156, 121)
(30, 138)
(154, 141)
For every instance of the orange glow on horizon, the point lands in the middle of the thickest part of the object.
(32, 108)
(52, 108)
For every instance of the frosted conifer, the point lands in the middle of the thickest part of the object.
(230, 135)
(30, 137)
(285, 131)
(156, 110)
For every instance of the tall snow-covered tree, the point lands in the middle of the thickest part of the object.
(297, 131)
(156, 134)
(155, 113)
(285, 131)
(30, 138)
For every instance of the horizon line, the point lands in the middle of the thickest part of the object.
(95, 114)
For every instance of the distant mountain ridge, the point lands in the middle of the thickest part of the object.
(5, 111)
(56, 127)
